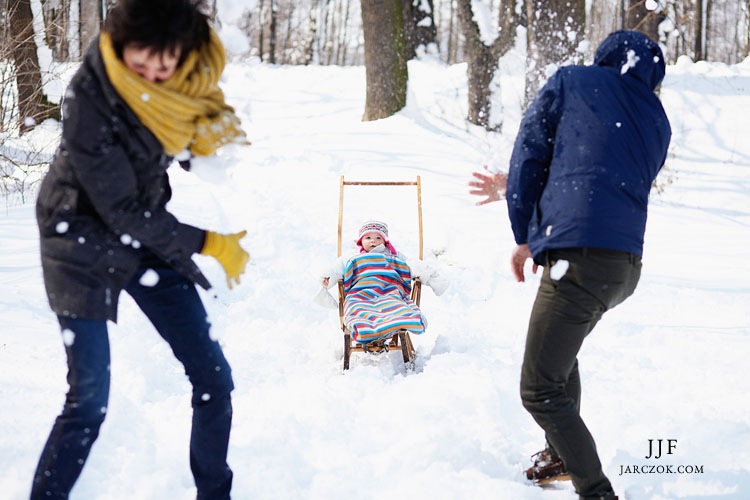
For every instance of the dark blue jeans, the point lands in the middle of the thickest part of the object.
(565, 312)
(174, 308)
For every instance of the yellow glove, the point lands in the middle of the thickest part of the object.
(227, 250)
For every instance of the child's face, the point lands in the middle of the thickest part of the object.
(371, 240)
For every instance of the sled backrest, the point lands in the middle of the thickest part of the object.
(417, 184)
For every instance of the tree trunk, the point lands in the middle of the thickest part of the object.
(312, 35)
(91, 22)
(343, 39)
(554, 30)
(385, 58)
(639, 18)
(450, 53)
(708, 29)
(419, 26)
(56, 15)
(483, 60)
(602, 19)
(261, 30)
(33, 106)
(330, 39)
(272, 34)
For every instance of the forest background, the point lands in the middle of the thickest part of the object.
(39, 37)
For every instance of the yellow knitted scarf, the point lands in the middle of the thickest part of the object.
(188, 110)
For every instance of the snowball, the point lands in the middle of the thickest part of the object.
(81, 240)
(630, 63)
(145, 97)
(149, 278)
(126, 239)
(62, 227)
(205, 397)
(69, 337)
(559, 269)
(618, 124)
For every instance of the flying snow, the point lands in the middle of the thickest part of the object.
(149, 278)
(69, 337)
(630, 63)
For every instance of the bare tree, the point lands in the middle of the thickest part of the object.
(452, 38)
(312, 31)
(602, 19)
(385, 58)
(56, 15)
(554, 30)
(419, 25)
(639, 17)
(272, 32)
(342, 38)
(261, 28)
(33, 106)
(91, 21)
(483, 59)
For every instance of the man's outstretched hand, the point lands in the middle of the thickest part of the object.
(490, 185)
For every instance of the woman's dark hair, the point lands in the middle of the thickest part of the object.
(161, 25)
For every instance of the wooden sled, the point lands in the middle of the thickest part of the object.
(401, 339)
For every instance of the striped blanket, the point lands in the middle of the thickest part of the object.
(377, 300)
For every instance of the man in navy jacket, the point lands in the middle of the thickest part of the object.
(587, 152)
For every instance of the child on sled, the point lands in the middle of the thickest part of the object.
(377, 286)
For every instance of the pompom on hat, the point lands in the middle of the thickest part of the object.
(379, 228)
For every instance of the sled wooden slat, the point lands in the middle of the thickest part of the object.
(379, 183)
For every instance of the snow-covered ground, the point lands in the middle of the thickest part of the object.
(670, 363)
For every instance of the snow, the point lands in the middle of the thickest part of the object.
(485, 21)
(666, 364)
(558, 270)
(630, 63)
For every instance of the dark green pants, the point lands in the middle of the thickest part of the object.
(564, 313)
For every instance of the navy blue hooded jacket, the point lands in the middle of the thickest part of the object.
(588, 150)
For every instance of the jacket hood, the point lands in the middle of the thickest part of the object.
(632, 53)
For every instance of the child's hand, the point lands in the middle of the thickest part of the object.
(325, 282)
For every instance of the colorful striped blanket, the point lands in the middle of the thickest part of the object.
(377, 303)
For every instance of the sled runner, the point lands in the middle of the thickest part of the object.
(400, 340)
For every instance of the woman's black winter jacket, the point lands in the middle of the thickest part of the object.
(101, 207)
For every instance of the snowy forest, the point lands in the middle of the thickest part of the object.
(344, 32)
(306, 79)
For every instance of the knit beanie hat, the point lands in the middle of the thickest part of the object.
(379, 228)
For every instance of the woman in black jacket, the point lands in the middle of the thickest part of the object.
(146, 91)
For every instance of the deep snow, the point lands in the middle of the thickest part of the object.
(667, 364)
